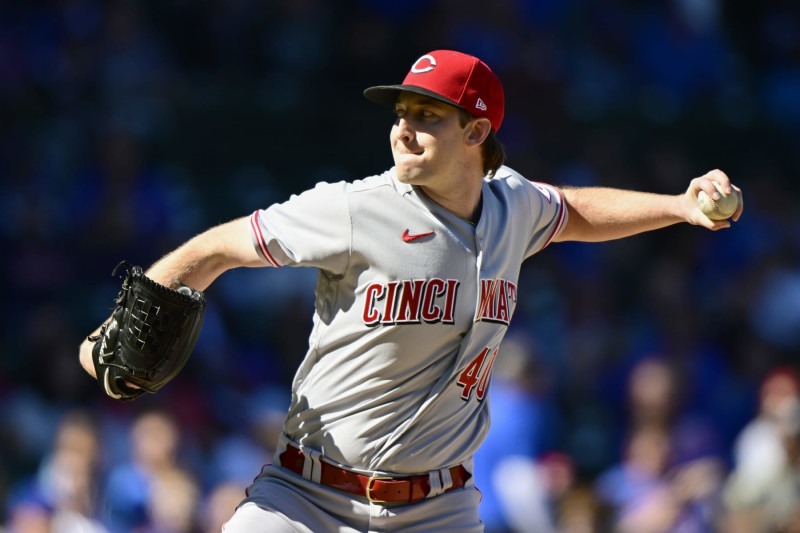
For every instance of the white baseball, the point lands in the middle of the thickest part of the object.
(719, 209)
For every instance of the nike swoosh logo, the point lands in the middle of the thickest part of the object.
(407, 237)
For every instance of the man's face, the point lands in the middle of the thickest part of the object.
(427, 139)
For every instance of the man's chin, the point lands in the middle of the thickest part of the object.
(410, 175)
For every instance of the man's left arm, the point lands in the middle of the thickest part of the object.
(602, 214)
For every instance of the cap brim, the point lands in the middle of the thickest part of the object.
(386, 95)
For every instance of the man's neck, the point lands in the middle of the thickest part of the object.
(463, 201)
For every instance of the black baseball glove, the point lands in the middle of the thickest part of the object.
(150, 336)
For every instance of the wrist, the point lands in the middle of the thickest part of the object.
(86, 357)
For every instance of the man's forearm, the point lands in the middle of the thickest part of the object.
(197, 263)
(191, 264)
(188, 265)
(202, 259)
(602, 214)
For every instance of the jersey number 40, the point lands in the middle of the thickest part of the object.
(476, 375)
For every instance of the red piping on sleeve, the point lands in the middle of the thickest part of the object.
(262, 244)
(561, 217)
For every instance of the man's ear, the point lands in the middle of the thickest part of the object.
(477, 131)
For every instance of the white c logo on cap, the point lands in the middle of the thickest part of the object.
(417, 70)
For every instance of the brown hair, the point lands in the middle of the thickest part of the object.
(492, 150)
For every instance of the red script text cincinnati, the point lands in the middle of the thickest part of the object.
(434, 300)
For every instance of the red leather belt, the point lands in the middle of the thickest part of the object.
(376, 489)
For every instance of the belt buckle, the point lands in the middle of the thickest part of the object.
(370, 484)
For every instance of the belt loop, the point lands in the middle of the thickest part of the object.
(435, 481)
(312, 467)
(283, 443)
(469, 466)
(447, 479)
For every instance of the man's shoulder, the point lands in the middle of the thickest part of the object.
(350, 185)
(376, 181)
(511, 178)
(354, 185)
(508, 182)
(506, 178)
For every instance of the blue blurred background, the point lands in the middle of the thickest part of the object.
(646, 385)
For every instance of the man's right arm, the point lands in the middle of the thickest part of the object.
(601, 214)
(197, 263)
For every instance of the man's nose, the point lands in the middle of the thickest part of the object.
(405, 131)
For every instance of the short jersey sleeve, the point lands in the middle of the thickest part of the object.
(549, 214)
(310, 229)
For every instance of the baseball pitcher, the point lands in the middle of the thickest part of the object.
(418, 281)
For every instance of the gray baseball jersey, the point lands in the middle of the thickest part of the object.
(412, 303)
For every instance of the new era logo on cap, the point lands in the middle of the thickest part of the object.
(453, 77)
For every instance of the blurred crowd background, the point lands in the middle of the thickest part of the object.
(646, 385)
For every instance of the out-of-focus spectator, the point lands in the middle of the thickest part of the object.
(579, 511)
(522, 421)
(154, 440)
(70, 476)
(633, 490)
(173, 504)
(697, 470)
(673, 463)
(533, 502)
(762, 493)
(64, 494)
(220, 505)
(30, 517)
(652, 394)
(668, 482)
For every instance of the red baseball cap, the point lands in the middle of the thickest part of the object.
(452, 77)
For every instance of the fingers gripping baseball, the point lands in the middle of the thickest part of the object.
(709, 200)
